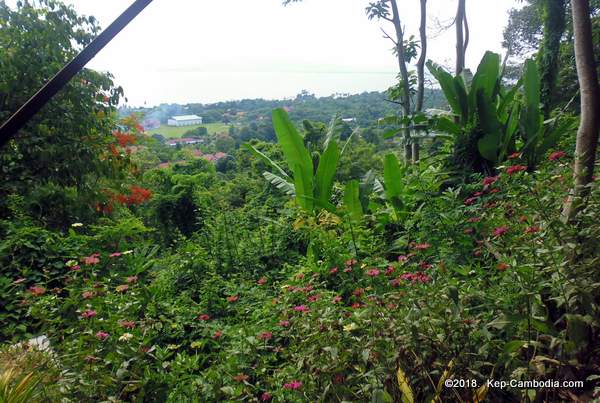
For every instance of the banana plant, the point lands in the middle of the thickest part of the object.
(311, 188)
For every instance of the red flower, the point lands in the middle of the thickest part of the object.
(336, 299)
(523, 219)
(265, 397)
(293, 385)
(313, 298)
(88, 314)
(355, 305)
(339, 378)
(284, 323)
(555, 156)
(301, 308)
(358, 292)
(218, 334)
(37, 290)
(75, 268)
(502, 266)
(122, 288)
(203, 317)
(422, 246)
(389, 271)
(424, 265)
(115, 254)
(351, 262)
(131, 279)
(532, 230)
(91, 260)
(498, 232)
(232, 298)
(494, 190)
(87, 295)
(373, 273)
(470, 201)
(300, 276)
(265, 336)
(127, 324)
(514, 156)
(403, 258)
(347, 270)
(515, 168)
(102, 335)
(334, 270)
(241, 378)
(261, 281)
(490, 180)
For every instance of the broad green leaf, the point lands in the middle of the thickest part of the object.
(486, 79)
(489, 144)
(447, 84)
(266, 159)
(407, 393)
(392, 176)
(462, 98)
(448, 126)
(532, 113)
(352, 200)
(326, 172)
(297, 156)
(280, 183)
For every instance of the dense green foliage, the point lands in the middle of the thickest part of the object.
(301, 261)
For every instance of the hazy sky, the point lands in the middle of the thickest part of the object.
(214, 50)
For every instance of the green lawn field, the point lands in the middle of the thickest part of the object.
(177, 132)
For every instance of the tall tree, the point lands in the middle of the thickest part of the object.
(587, 135)
(421, 72)
(548, 59)
(462, 35)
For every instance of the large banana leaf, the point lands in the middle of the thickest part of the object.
(352, 200)
(280, 183)
(532, 118)
(486, 79)
(447, 83)
(392, 176)
(297, 157)
(489, 145)
(266, 159)
(326, 172)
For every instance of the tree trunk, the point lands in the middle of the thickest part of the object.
(403, 74)
(554, 27)
(422, 57)
(587, 135)
(462, 40)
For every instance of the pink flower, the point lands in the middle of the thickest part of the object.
(203, 317)
(515, 168)
(373, 273)
(131, 279)
(102, 335)
(241, 378)
(389, 271)
(284, 323)
(470, 201)
(265, 397)
(218, 334)
(87, 295)
(555, 156)
(502, 266)
(37, 290)
(356, 305)
(424, 265)
(233, 298)
(294, 385)
(532, 230)
(92, 259)
(351, 262)
(347, 270)
(474, 219)
(313, 298)
(301, 308)
(422, 246)
(265, 336)
(403, 258)
(498, 232)
(490, 180)
(115, 254)
(334, 270)
(514, 156)
(261, 281)
(127, 324)
(415, 277)
(75, 268)
(336, 299)
(122, 288)
(88, 314)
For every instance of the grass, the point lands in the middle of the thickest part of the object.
(177, 132)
